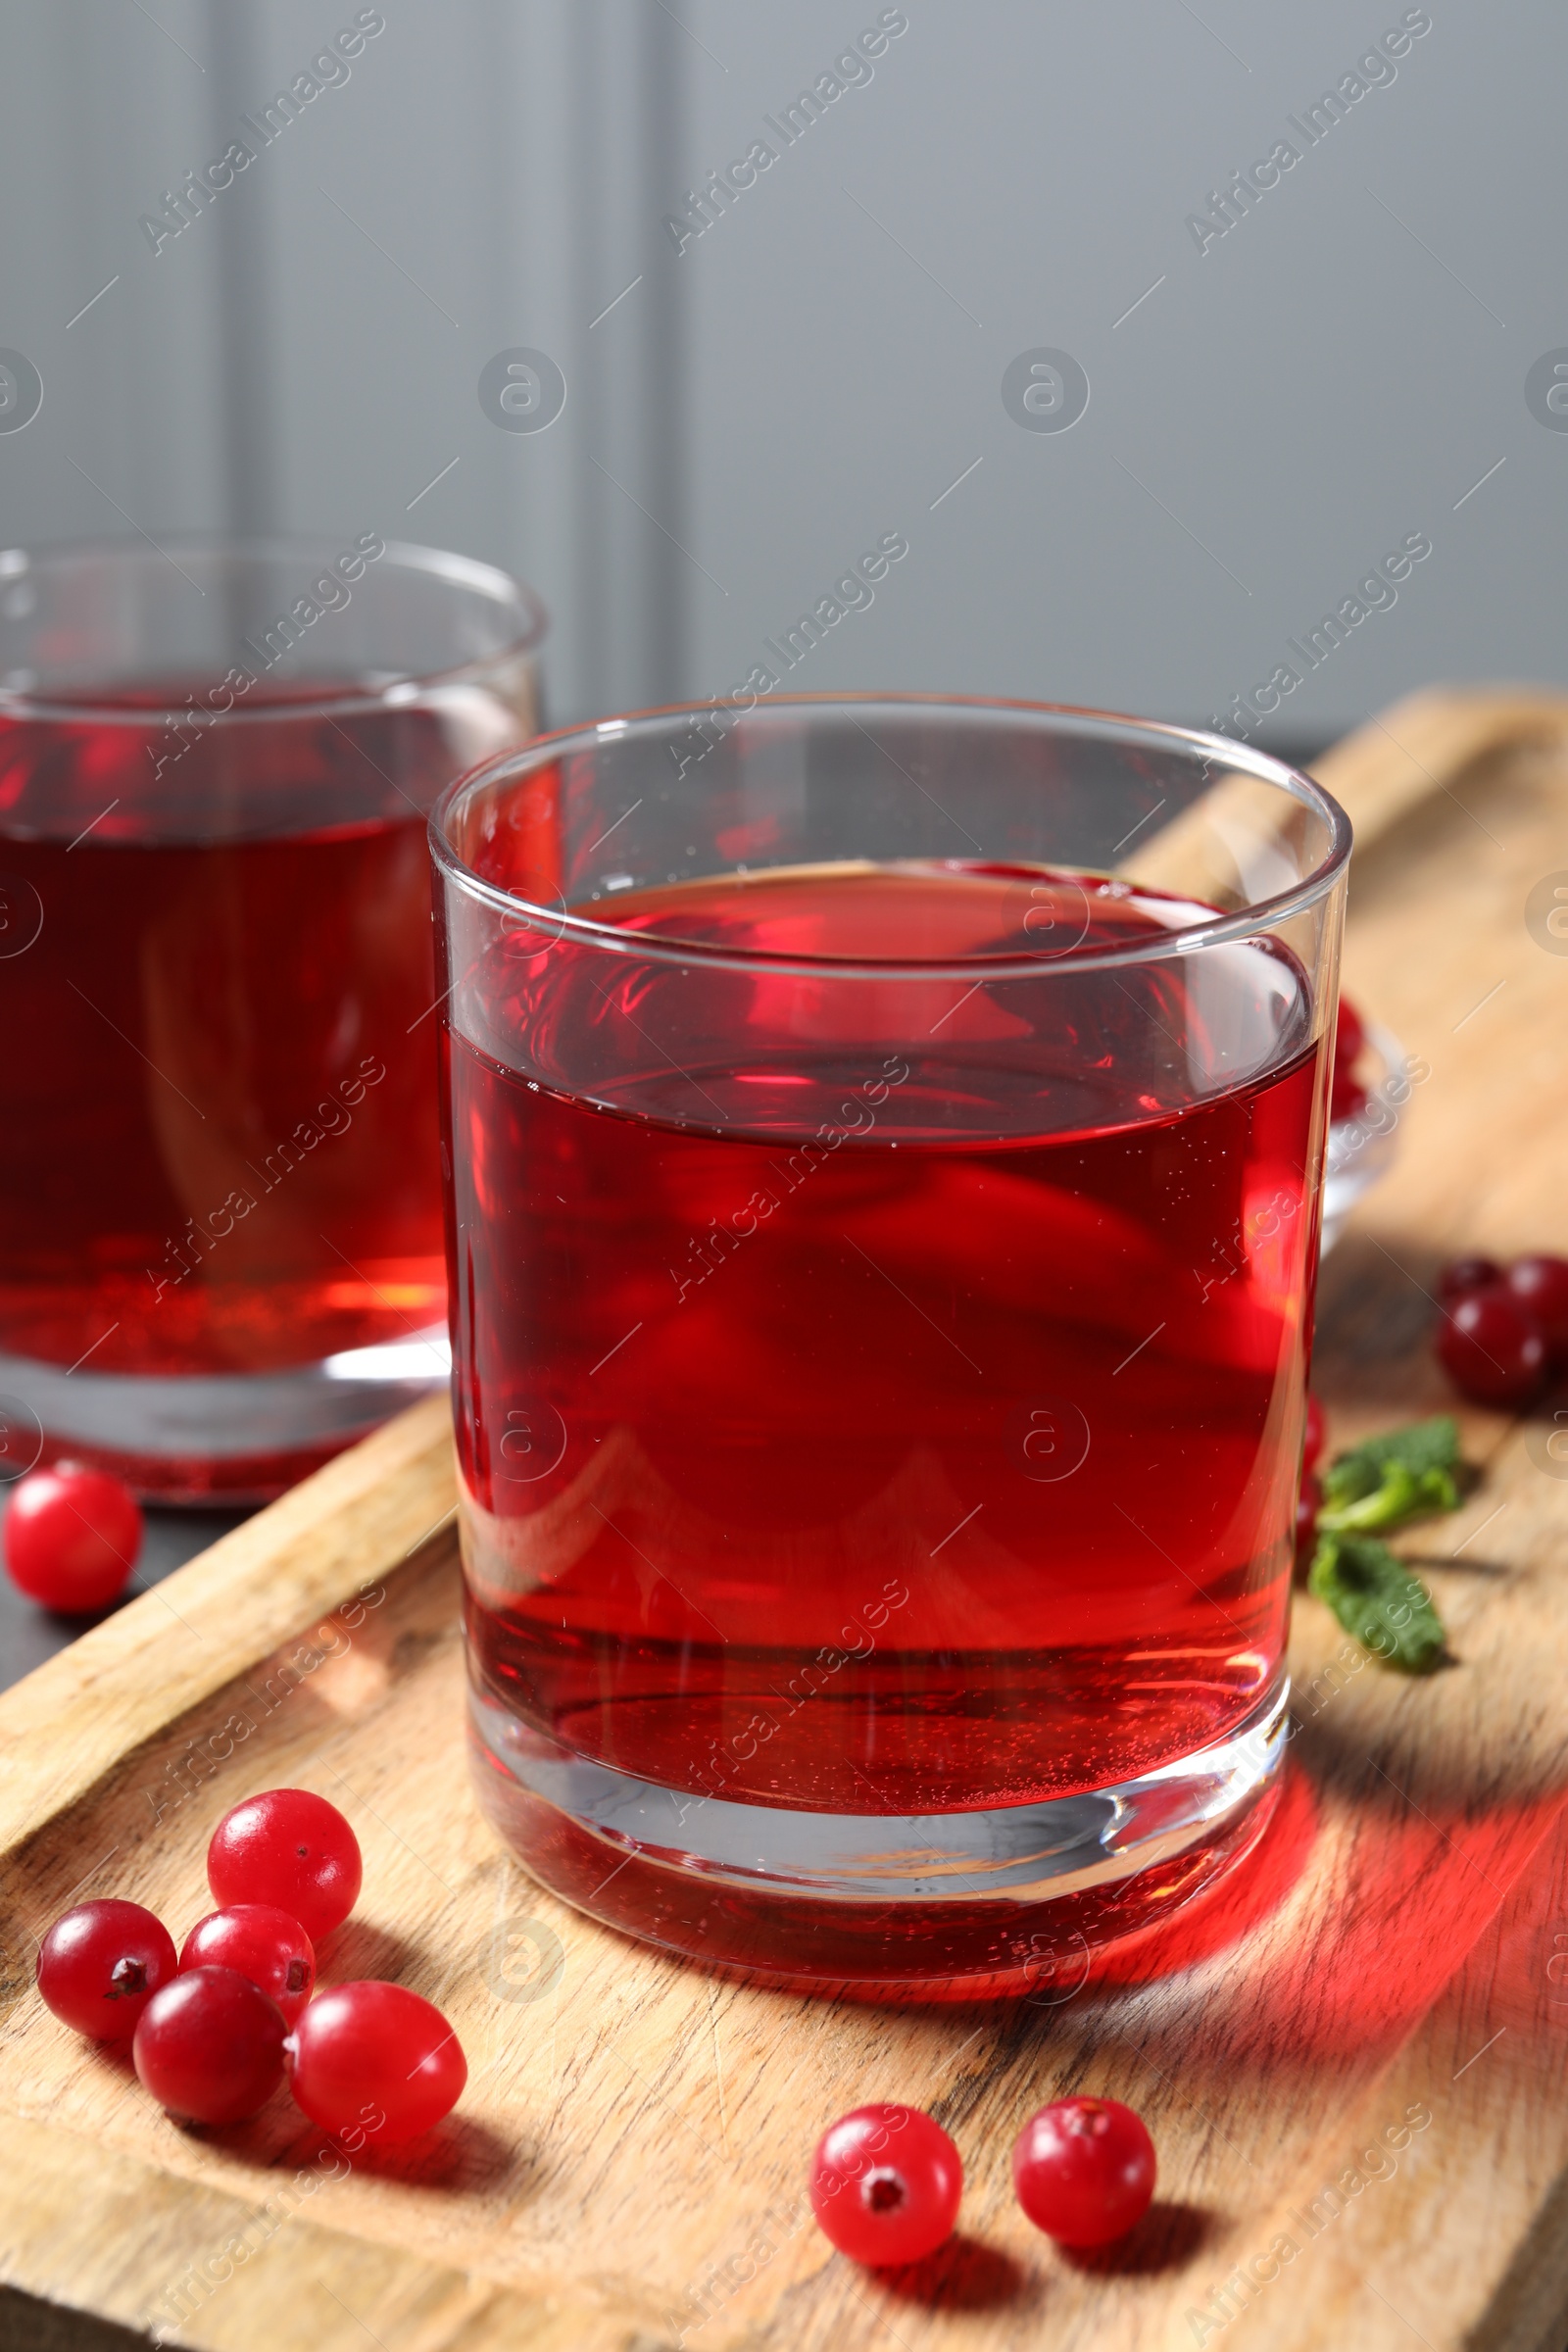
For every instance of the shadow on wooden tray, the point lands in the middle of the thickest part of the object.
(1376, 1307)
(964, 2274)
(967, 2274)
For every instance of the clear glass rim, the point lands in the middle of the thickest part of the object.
(556, 920)
(310, 550)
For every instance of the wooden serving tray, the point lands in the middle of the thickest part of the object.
(1355, 2078)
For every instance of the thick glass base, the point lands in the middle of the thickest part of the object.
(238, 1436)
(1003, 1900)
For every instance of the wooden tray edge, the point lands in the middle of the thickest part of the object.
(98, 2235)
(181, 1640)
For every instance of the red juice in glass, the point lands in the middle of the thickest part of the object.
(881, 1297)
(219, 1181)
(244, 1174)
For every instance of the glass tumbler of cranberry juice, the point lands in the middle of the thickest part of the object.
(220, 1187)
(884, 1141)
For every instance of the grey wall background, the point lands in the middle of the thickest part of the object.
(1338, 370)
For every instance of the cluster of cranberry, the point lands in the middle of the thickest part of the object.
(213, 2032)
(885, 2180)
(1505, 1329)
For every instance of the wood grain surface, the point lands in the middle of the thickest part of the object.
(1353, 2060)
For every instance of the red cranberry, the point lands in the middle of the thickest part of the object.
(1317, 1430)
(210, 2046)
(375, 2058)
(289, 1849)
(99, 1964)
(1491, 1350)
(1463, 1275)
(1540, 1285)
(885, 2185)
(262, 1943)
(72, 1537)
(1084, 2170)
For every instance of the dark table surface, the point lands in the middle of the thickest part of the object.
(28, 1634)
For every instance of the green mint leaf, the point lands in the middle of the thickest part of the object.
(1403, 1495)
(1378, 1601)
(1421, 1446)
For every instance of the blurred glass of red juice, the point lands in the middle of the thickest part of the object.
(220, 1185)
(881, 1303)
